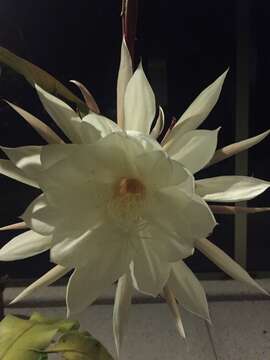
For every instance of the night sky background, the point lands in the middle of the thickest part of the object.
(195, 42)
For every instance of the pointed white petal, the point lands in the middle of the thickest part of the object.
(149, 273)
(159, 126)
(225, 263)
(124, 75)
(194, 149)
(25, 245)
(26, 158)
(230, 188)
(121, 307)
(236, 148)
(94, 126)
(170, 299)
(139, 103)
(40, 217)
(41, 128)
(88, 97)
(198, 111)
(16, 226)
(7, 168)
(45, 280)
(64, 116)
(188, 290)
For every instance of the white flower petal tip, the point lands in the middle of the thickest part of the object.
(45, 280)
(226, 263)
(40, 127)
(198, 111)
(25, 245)
(7, 168)
(159, 125)
(230, 188)
(94, 127)
(122, 304)
(236, 148)
(171, 301)
(16, 226)
(188, 290)
(139, 103)
(124, 74)
(63, 115)
(194, 149)
(88, 97)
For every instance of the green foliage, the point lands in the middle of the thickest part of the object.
(35, 75)
(24, 339)
(76, 345)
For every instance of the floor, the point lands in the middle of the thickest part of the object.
(240, 329)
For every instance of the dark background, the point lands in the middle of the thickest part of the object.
(184, 47)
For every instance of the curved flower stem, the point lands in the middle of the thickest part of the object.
(129, 15)
(233, 210)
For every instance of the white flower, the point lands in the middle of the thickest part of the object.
(117, 205)
(113, 202)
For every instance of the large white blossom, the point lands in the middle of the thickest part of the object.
(117, 205)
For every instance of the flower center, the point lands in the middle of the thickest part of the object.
(129, 188)
(127, 201)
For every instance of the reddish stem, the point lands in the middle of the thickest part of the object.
(129, 24)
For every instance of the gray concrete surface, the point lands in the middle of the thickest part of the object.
(240, 330)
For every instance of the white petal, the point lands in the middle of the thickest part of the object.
(121, 307)
(41, 128)
(7, 168)
(25, 245)
(139, 103)
(104, 243)
(194, 149)
(236, 148)
(40, 217)
(64, 116)
(178, 213)
(26, 158)
(159, 126)
(87, 283)
(51, 154)
(171, 301)
(149, 273)
(230, 188)
(167, 246)
(158, 170)
(225, 263)
(146, 142)
(198, 111)
(124, 75)
(45, 280)
(94, 126)
(188, 290)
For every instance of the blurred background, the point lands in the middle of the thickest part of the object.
(184, 46)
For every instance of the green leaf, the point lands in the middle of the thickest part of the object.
(80, 346)
(35, 75)
(24, 339)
